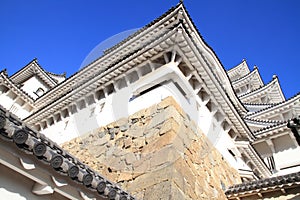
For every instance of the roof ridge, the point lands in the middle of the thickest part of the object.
(110, 49)
(33, 60)
(46, 75)
(84, 67)
(60, 75)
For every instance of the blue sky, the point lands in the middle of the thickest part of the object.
(61, 33)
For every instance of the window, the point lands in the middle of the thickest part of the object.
(269, 160)
(39, 92)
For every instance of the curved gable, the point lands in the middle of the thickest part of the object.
(238, 71)
(248, 83)
(270, 93)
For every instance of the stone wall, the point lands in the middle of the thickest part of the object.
(157, 153)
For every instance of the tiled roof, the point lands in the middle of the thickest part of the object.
(43, 75)
(140, 30)
(107, 52)
(246, 76)
(268, 124)
(239, 70)
(63, 75)
(264, 185)
(268, 128)
(15, 86)
(58, 78)
(260, 88)
(34, 143)
(237, 65)
(274, 105)
(264, 121)
(260, 104)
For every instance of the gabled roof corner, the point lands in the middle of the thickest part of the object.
(279, 85)
(4, 71)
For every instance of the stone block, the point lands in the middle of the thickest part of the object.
(118, 152)
(124, 127)
(149, 179)
(177, 194)
(116, 164)
(151, 134)
(156, 120)
(127, 142)
(171, 102)
(161, 190)
(178, 179)
(101, 141)
(168, 125)
(121, 122)
(138, 143)
(159, 142)
(182, 168)
(159, 154)
(136, 131)
(97, 150)
(164, 157)
(130, 158)
(148, 112)
(142, 165)
(124, 177)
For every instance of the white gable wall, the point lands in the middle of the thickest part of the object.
(31, 86)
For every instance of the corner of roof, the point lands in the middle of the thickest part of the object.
(33, 61)
(244, 61)
(4, 71)
(275, 77)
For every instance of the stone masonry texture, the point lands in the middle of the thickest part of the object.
(157, 153)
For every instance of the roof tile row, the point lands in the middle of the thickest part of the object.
(265, 184)
(46, 151)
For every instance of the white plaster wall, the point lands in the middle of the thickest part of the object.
(6, 101)
(9, 104)
(118, 105)
(286, 154)
(32, 84)
(73, 126)
(288, 157)
(14, 186)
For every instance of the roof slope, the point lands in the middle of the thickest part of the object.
(173, 31)
(15, 132)
(248, 83)
(263, 186)
(238, 71)
(33, 68)
(292, 104)
(269, 93)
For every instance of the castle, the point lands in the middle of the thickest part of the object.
(158, 116)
